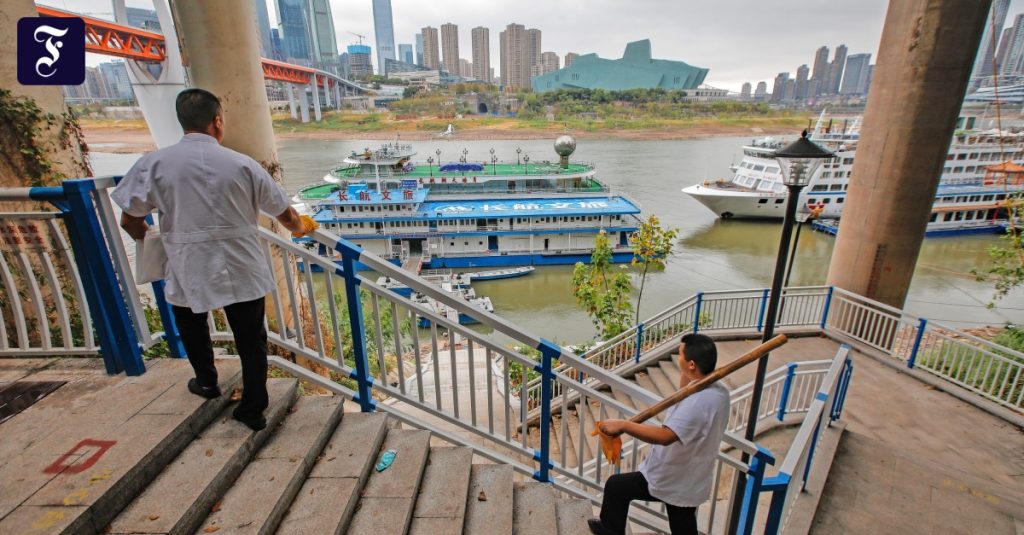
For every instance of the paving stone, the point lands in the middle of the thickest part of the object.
(573, 515)
(179, 498)
(533, 509)
(445, 483)
(353, 446)
(323, 505)
(489, 500)
(44, 520)
(259, 498)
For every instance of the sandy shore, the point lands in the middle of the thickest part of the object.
(133, 137)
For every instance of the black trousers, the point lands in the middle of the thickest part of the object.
(621, 489)
(246, 321)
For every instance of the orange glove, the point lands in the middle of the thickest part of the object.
(611, 446)
(308, 226)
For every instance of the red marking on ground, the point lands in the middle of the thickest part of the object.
(75, 467)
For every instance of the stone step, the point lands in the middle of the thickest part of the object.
(130, 431)
(581, 451)
(263, 492)
(671, 370)
(489, 500)
(534, 509)
(178, 500)
(560, 442)
(441, 503)
(665, 386)
(387, 500)
(573, 514)
(328, 497)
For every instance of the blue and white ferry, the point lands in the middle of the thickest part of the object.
(465, 214)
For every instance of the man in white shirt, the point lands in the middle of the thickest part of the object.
(678, 469)
(209, 199)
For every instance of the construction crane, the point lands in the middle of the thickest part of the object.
(361, 37)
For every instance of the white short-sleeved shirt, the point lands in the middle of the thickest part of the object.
(209, 199)
(680, 473)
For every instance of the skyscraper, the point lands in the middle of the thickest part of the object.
(820, 71)
(548, 62)
(295, 32)
(383, 32)
(465, 68)
(745, 91)
(324, 47)
(431, 52)
(450, 47)
(144, 18)
(533, 48)
(986, 49)
(779, 88)
(481, 54)
(836, 70)
(405, 54)
(1015, 49)
(515, 53)
(569, 57)
(855, 82)
(115, 76)
(263, 25)
(800, 89)
(419, 49)
(760, 91)
(359, 64)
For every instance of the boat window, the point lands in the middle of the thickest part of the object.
(948, 216)
(826, 200)
(969, 216)
(961, 156)
(945, 169)
(987, 198)
(836, 187)
(820, 187)
(772, 169)
(840, 200)
(779, 201)
(762, 201)
(949, 157)
(973, 156)
(847, 161)
(959, 216)
(933, 217)
(958, 169)
(1001, 196)
(758, 168)
(812, 201)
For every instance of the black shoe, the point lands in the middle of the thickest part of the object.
(597, 528)
(208, 392)
(256, 423)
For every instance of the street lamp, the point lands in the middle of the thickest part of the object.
(494, 163)
(526, 159)
(430, 163)
(518, 151)
(438, 153)
(798, 161)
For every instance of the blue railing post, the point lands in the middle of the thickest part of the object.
(118, 343)
(549, 351)
(778, 486)
(810, 452)
(349, 256)
(917, 343)
(639, 340)
(760, 309)
(696, 311)
(171, 334)
(844, 384)
(828, 304)
(744, 525)
(786, 388)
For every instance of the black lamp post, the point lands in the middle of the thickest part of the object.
(494, 163)
(526, 159)
(438, 153)
(798, 162)
(430, 163)
(518, 152)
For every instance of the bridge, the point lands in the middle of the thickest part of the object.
(141, 48)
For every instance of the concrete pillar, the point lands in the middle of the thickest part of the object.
(303, 104)
(316, 97)
(924, 62)
(291, 100)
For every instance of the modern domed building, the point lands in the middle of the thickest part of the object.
(635, 69)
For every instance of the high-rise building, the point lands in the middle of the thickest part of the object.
(760, 91)
(548, 62)
(836, 70)
(263, 25)
(431, 48)
(359, 64)
(465, 69)
(277, 45)
(115, 77)
(405, 54)
(800, 89)
(324, 47)
(1015, 49)
(383, 32)
(95, 83)
(450, 47)
(820, 71)
(343, 65)
(745, 91)
(569, 57)
(515, 50)
(143, 18)
(419, 49)
(1003, 50)
(789, 90)
(779, 87)
(533, 47)
(295, 32)
(855, 82)
(987, 48)
(482, 54)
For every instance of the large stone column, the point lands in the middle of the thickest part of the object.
(316, 96)
(291, 100)
(924, 63)
(303, 104)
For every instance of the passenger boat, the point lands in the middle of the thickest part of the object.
(467, 294)
(466, 214)
(982, 170)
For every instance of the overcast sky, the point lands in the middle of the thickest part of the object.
(738, 40)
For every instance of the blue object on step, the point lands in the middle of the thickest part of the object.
(386, 459)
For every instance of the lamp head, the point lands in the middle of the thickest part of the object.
(800, 159)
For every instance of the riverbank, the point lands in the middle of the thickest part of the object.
(132, 136)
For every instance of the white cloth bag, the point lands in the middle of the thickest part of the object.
(150, 258)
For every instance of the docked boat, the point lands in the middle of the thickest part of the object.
(982, 170)
(467, 214)
(467, 294)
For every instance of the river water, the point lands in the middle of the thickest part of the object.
(710, 254)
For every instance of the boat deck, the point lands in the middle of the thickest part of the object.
(500, 169)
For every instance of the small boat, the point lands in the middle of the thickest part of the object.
(500, 273)
(456, 280)
(467, 294)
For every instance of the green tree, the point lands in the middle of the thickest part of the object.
(602, 291)
(1007, 268)
(651, 247)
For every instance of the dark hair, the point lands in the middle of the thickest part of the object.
(701, 350)
(196, 109)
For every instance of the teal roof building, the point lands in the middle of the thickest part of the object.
(636, 69)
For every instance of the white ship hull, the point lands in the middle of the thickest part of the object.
(740, 204)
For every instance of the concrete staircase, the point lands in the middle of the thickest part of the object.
(312, 471)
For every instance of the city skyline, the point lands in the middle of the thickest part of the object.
(772, 37)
